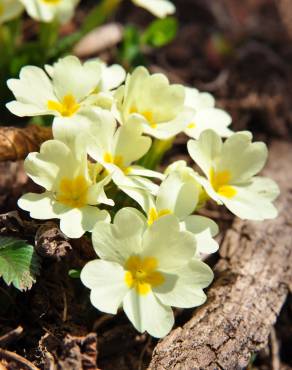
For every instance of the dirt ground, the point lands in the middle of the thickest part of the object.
(240, 51)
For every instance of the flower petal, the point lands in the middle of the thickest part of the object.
(147, 314)
(143, 197)
(32, 91)
(249, 204)
(205, 150)
(11, 9)
(129, 216)
(55, 159)
(167, 130)
(160, 8)
(107, 284)
(141, 171)
(204, 229)
(68, 72)
(131, 132)
(96, 193)
(116, 242)
(66, 129)
(267, 188)
(112, 77)
(41, 206)
(100, 137)
(213, 118)
(71, 223)
(197, 100)
(177, 195)
(242, 158)
(164, 240)
(187, 291)
(92, 215)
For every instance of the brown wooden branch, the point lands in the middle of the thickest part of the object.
(16, 143)
(18, 361)
(11, 336)
(253, 277)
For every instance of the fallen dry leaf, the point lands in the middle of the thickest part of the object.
(16, 143)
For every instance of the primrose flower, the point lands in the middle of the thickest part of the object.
(205, 115)
(179, 195)
(230, 168)
(67, 94)
(71, 191)
(153, 101)
(111, 76)
(116, 149)
(9, 9)
(188, 173)
(107, 78)
(146, 270)
(50, 10)
(160, 8)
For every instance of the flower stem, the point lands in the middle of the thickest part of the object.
(48, 37)
(157, 151)
(99, 14)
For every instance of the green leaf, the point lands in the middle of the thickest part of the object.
(130, 51)
(74, 273)
(19, 263)
(160, 32)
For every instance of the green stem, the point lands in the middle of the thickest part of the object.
(156, 153)
(48, 37)
(99, 14)
(5, 38)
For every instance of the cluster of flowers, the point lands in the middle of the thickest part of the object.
(63, 10)
(150, 254)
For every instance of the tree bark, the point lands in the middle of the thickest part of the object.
(252, 280)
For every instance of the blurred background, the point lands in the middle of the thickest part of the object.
(240, 51)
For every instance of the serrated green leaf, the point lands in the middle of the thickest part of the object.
(160, 32)
(19, 263)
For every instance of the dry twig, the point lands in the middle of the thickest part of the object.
(21, 362)
(11, 336)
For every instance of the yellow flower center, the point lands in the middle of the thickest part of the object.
(147, 114)
(118, 161)
(191, 125)
(51, 2)
(220, 182)
(67, 107)
(154, 215)
(73, 192)
(142, 274)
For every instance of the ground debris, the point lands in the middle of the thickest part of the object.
(13, 361)
(70, 352)
(51, 242)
